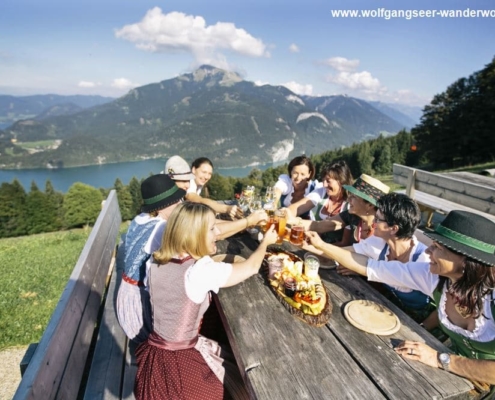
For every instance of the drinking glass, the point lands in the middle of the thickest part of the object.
(280, 222)
(311, 265)
(297, 235)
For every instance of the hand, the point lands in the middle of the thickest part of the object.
(314, 239)
(271, 236)
(256, 217)
(418, 352)
(232, 211)
(309, 247)
(291, 218)
(344, 271)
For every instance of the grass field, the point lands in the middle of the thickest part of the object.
(34, 271)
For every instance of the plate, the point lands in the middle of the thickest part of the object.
(228, 258)
(371, 317)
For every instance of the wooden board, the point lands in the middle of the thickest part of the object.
(56, 368)
(466, 193)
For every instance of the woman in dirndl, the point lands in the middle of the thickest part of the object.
(176, 362)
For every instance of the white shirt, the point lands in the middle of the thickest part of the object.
(373, 246)
(417, 275)
(193, 188)
(286, 187)
(316, 196)
(205, 275)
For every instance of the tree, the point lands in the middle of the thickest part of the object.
(55, 202)
(125, 200)
(135, 192)
(41, 216)
(82, 204)
(12, 209)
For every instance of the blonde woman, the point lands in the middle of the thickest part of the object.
(175, 361)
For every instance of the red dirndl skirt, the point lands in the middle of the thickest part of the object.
(175, 375)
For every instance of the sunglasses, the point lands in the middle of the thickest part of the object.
(376, 220)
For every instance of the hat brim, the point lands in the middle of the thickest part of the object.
(360, 194)
(177, 196)
(478, 255)
(182, 177)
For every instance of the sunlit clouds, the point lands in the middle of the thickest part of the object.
(348, 77)
(123, 83)
(299, 88)
(177, 32)
(87, 84)
(294, 48)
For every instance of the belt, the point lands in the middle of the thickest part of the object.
(131, 281)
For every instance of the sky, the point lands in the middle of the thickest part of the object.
(108, 47)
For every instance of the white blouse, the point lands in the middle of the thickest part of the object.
(284, 184)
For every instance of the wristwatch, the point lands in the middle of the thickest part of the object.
(444, 360)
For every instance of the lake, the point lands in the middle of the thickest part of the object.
(103, 176)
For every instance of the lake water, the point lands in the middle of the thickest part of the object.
(102, 176)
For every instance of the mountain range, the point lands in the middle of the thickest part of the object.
(209, 112)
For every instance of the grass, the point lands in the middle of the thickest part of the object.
(34, 271)
(36, 145)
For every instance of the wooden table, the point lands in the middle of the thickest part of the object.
(282, 357)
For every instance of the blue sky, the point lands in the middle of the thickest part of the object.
(107, 47)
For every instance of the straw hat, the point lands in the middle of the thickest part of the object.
(368, 188)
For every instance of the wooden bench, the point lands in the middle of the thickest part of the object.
(445, 192)
(83, 352)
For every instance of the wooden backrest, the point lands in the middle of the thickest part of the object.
(481, 198)
(57, 366)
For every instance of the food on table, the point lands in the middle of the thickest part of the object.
(309, 296)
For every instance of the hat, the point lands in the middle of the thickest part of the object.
(178, 169)
(158, 192)
(467, 233)
(368, 188)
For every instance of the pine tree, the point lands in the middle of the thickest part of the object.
(13, 221)
(135, 192)
(125, 200)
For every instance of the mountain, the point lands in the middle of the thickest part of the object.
(392, 110)
(209, 112)
(13, 108)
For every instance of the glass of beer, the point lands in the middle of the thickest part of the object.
(280, 222)
(297, 235)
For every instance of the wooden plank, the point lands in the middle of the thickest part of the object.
(483, 180)
(478, 197)
(106, 373)
(444, 206)
(44, 374)
(282, 357)
(130, 370)
(406, 380)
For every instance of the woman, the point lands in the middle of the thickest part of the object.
(160, 196)
(178, 169)
(329, 199)
(357, 220)
(396, 219)
(176, 362)
(299, 183)
(461, 279)
(202, 168)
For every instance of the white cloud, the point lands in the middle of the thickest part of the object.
(294, 48)
(260, 83)
(86, 84)
(299, 88)
(342, 64)
(178, 32)
(123, 83)
(357, 81)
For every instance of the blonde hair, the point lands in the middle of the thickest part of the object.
(186, 232)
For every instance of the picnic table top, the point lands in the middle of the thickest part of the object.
(282, 357)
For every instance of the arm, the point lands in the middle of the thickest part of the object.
(301, 206)
(229, 228)
(219, 208)
(476, 370)
(243, 270)
(353, 261)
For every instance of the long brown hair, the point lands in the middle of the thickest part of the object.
(476, 282)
